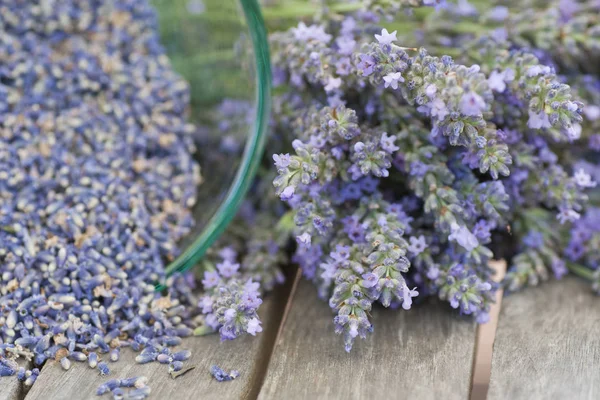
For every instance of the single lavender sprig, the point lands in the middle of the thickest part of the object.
(369, 270)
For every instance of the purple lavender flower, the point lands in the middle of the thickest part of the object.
(567, 215)
(386, 38)
(345, 45)
(366, 65)
(463, 236)
(227, 269)
(592, 112)
(313, 32)
(472, 104)
(499, 13)
(369, 280)
(594, 142)
(333, 84)
(452, 124)
(392, 79)
(304, 239)
(559, 268)
(538, 120)
(211, 279)
(534, 240)
(387, 143)
(287, 193)
(418, 169)
(417, 245)
(583, 179)
(282, 161)
(254, 326)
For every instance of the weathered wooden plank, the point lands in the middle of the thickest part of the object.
(547, 344)
(10, 387)
(248, 355)
(425, 353)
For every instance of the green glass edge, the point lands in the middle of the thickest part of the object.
(252, 153)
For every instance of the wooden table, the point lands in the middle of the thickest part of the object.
(547, 347)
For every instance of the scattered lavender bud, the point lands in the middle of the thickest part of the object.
(139, 393)
(30, 380)
(103, 368)
(222, 376)
(137, 381)
(78, 356)
(107, 386)
(164, 358)
(146, 358)
(6, 370)
(175, 366)
(114, 355)
(182, 355)
(118, 393)
(65, 363)
(93, 360)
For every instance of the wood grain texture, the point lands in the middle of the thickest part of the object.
(425, 353)
(547, 344)
(248, 355)
(10, 387)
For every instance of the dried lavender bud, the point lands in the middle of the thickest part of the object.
(114, 355)
(175, 366)
(30, 380)
(222, 376)
(65, 363)
(107, 386)
(182, 355)
(78, 356)
(137, 381)
(103, 368)
(118, 393)
(21, 374)
(6, 370)
(164, 358)
(139, 393)
(89, 226)
(147, 355)
(93, 360)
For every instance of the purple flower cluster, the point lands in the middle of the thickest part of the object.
(230, 304)
(406, 173)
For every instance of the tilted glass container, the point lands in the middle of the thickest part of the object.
(220, 47)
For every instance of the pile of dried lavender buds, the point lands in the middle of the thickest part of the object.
(96, 184)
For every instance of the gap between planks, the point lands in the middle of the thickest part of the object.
(484, 342)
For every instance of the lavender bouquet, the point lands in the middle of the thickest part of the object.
(405, 171)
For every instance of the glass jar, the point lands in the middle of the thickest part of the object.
(220, 47)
